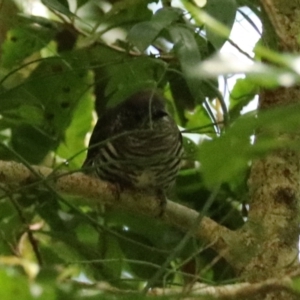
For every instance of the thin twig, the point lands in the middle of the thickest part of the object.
(31, 238)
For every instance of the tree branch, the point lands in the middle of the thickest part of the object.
(94, 191)
(231, 291)
(198, 290)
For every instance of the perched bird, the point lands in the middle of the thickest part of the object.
(136, 144)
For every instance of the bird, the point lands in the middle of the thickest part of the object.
(136, 144)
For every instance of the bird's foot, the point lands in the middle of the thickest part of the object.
(162, 203)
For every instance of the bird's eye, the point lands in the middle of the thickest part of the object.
(158, 114)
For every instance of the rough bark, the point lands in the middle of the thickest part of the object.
(273, 222)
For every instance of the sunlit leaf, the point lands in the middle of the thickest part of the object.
(74, 138)
(22, 42)
(198, 119)
(242, 93)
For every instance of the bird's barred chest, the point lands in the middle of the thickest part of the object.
(141, 163)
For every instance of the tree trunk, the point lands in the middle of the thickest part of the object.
(273, 222)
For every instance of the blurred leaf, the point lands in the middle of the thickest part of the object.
(260, 74)
(191, 188)
(39, 22)
(201, 18)
(16, 285)
(158, 234)
(81, 2)
(296, 284)
(159, 238)
(229, 155)
(87, 234)
(10, 225)
(114, 263)
(147, 262)
(61, 6)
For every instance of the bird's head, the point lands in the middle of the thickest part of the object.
(144, 109)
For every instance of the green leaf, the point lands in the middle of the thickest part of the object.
(243, 92)
(87, 234)
(32, 144)
(74, 138)
(23, 41)
(181, 94)
(125, 13)
(201, 18)
(61, 6)
(115, 257)
(186, 49)
(16, 286)
(198, 119)
(224, 158)
(224, 11)
(81, 2)
(27, 113)
(162, 19)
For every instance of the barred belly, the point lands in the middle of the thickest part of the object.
(145, 162)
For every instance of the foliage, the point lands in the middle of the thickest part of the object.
(55, 71)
